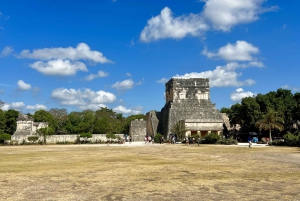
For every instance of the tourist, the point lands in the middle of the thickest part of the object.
(199, 140)
(130, 139)
(149, 138)
(161, 140)
(250, 141)
(186, 141)
(146, 139)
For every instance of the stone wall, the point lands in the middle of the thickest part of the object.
(64, 138)
(138, 129)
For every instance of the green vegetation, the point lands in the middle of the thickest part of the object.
(179, 129)
(273, 114)
(4, 137)
(32, 138)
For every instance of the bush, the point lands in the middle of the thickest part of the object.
(157, 138)
(32, 138)
(290, 139)
(211, 138)
(87, 135)
(228, 141)
(4, 137)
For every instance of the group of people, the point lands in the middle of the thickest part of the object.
(127, 138)
(149, 140)
(192, 141)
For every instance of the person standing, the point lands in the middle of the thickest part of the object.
(250, 141)
(198, 141)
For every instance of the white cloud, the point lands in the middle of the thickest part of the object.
(167, 26)
(82, 98)
(285, 86)
(23, 86)
(82, 51)
(128, 75)
(162, 81)
(125, 84)
(225, 14)
(222, 76)
(6, 51)
(94, 76)
(58, 67)
(239, 94)
(221, 14)
(124, 110)
(36, 107)
(14, 106)
(92, 107)
(240, 51)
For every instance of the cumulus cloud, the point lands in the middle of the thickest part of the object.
(162, 81)
(240, 51)
(14, 106)
(82, 98)
(166, 25)
(94, 76)
(6, 51)
(239, 94)
(58, 67)
(217, 14)
(222, 76)
(224, 14)
(124, 110)
(124, 85)
(23, 86)
(36, 107)
(82, 51)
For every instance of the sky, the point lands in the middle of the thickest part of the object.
(119, 54)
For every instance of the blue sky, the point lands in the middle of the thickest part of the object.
(119, 53)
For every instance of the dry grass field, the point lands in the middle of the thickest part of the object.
(149, 172)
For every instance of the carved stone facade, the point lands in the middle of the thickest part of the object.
(187, 101)
(138, 129)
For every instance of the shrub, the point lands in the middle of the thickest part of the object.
(211, 138)
(4, 137)
(228, 141)
(157, 138)
(87, 135)
(290, 139)
(32, 138)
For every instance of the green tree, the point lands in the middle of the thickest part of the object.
(44, 116)
(11, 121)
(2, 121)
(179, 129)
(45, 132)
(270, 121)
(60, 117)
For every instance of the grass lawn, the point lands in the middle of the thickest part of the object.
(149, 172)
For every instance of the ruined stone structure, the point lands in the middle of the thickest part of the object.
(188, 101)
(138, 129)
(25, 128)
(151, 123)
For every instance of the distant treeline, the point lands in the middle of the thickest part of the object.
(60, 121)
(251, 109)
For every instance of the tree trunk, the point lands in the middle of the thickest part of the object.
(270, 136)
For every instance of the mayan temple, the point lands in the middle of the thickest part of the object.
(187, 101)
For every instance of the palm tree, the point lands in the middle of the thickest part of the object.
(270, 121)
(179, 129)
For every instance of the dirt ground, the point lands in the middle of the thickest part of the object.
(149, 172)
